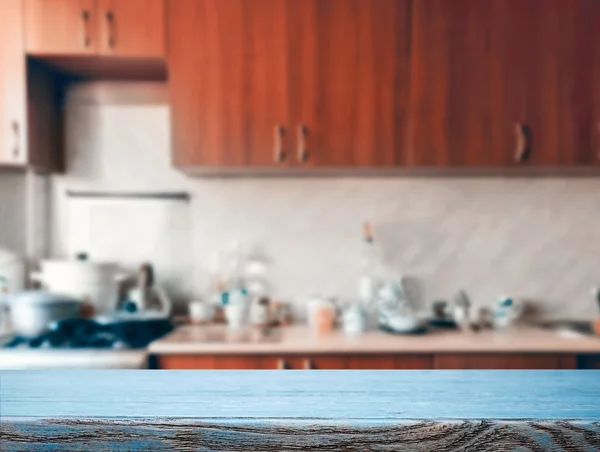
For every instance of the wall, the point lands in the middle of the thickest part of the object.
(12, 212)
(534, 238)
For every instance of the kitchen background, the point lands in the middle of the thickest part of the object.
(533, 237)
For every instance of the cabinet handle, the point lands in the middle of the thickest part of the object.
(17, 149)
(110, 20)
(302, 154)
(85, 20)
(523, 150)
(283, 365)
(309, 365)
(279, 152)
(598, 140)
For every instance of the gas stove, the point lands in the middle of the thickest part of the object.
(108, 332)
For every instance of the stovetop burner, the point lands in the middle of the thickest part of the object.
(99, 340)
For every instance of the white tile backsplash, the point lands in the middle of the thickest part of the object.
(529, 237)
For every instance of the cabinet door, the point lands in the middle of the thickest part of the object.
(132, 28)
(348, 81)
(12, 84)
(390, 362)
(590, 68)
(325, 362)
(60, 27)
(504, 361)
(538, 83)
(217, 362)
(450, 74)
(228, 82)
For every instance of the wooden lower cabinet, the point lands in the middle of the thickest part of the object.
(379, 361)
(390, 361)
(217, 362)
(504, 361)
(368, 362)
(294, 362)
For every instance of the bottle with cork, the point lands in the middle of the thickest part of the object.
(370, 276)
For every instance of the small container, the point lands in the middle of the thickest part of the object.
(281, 314)
(507, 311)
(353, 320)
(236, 316)
(259, 312)
(596, 326)
(321, 315)
(201, 312)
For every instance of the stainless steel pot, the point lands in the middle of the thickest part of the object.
(32, 312)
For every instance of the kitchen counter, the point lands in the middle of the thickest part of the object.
(191, 339)
(35, 359)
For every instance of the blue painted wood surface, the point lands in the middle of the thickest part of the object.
(319, 410)
(299, 394)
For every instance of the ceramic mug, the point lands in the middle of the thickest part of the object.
(354, 321)
(236, 316)
(321, 314)
(507, 311)
(201, 312)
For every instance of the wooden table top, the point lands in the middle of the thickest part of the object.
(297, 410)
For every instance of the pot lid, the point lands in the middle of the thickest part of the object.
(75, 263)
(40, 297)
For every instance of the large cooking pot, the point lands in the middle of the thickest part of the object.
(93, 282)
(32, 312)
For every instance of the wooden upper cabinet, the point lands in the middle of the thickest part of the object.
(276, 83)
(584, 93)
(348, 81)
(499, 83)
(538, 83)
(228, 83)
(450, 108)
(131, 27)
(30, 131)
(60, 27)
(376, 83)
(13, 146)
(592, 53)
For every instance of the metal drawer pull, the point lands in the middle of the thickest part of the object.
(523, 150)
(302, 154)
(598, 140)
(283, 365)
(85, 16)
(17, 148)
(110, 19)
(279, 151)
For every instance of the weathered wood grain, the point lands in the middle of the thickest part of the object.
(298, 410)
(185, 434)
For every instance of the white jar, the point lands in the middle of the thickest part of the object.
(236, 316)
(201, 312)
(354, 321)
